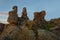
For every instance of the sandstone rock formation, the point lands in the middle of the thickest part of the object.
(24, 16)
(12, 32)
(13, 17)
(36, 17)
(42, 16)
(39, 17)
(21, 28)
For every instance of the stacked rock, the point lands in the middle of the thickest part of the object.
(13, 17)
(24, 14)
(39, 17)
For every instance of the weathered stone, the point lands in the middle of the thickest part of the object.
(24, 16)
(46, 35)
(42, 16)
(12, 32)
(15, 9)
(27, 34)
(36, 17)
(56, 30)
(39, 17)
(13, 17)
(8, 32)
(21, 28)
(30, 24)
(1, 27)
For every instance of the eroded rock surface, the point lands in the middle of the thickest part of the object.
(21, 28)
(39, 17)
(24, 16)
(13, 17)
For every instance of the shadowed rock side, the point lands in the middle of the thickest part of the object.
(1, 27)
(21, 28)
(24, 16)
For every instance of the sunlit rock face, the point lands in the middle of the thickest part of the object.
(13, 17)
(42, 17)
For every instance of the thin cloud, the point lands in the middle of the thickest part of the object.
(5, 22)
(3, 14)
(6, 14)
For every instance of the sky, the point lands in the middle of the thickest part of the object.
(52, 8)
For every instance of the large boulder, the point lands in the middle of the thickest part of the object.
(56, 30)
(46, 35)
(21, 28)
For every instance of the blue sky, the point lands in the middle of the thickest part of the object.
(52, 8)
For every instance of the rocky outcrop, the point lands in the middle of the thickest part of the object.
(13, 17)
(21, 28)
(24, 16)
(56, 30)
(14, 33)
(42, 17)
(36, 17)
(46, 35)
(39, 17)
